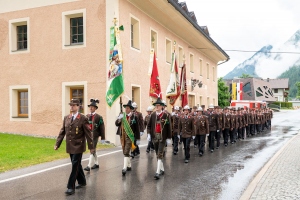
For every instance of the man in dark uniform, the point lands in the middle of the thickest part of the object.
(140, 121)
(221, 125)
(213, 120)
(129, 131)
(146, 121)
(194, 114)
(232, 132)
(76, 129)
(98, 130)
(201, 129)
(241, 124)
(251, 120)
(247, 126)
(186, 129)
(258, 122)
(175, 129)
(227, 126)
(160, 131)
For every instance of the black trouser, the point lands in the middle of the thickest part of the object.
(225, 135)
(77, 171)
(218, 137)
(186, 144)
(195, 142)
(150, 145)
(200, 140)
(258, 128)
(241, 132)
(211, 140)
(175, 142)
(232, 134)
(248, 129)
(252, 129)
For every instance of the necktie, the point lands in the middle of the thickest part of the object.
(72, 119)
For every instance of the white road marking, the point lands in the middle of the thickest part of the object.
(58, 166)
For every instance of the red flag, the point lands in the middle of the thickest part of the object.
(175, 82)
(155, 90)
(183, 87)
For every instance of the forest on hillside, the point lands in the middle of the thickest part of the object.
(293, 74)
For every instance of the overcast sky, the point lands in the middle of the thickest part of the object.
(246, 24)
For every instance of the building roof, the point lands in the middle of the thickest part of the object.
(190, 16)
(279, 83)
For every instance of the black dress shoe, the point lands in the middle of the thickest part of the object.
(147, 150)
(80, 186)
(200, 154)
(175, 153)
(162, 172)
(128, 168)
(186, 161)
(124, 172)
(95, 166)
(87, 169)
(156, 177)
(70, 191)
(211, 150)
(217, 147)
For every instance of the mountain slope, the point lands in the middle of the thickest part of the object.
(293, 74)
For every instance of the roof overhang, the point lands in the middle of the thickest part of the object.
(170, 15)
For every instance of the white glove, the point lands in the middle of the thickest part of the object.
(180, 133)
(102, 141)
(141, 133)
(120, 116)
(138, 142)
(149, 137)
(178, 136)
(168, 141)
(193, 137)
(218, 131)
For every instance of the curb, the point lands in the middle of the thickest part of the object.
(253, 184)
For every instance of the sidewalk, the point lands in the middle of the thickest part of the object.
(280, 177)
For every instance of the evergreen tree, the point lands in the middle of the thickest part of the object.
(223, 93)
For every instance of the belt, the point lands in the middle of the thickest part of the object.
(157, 133)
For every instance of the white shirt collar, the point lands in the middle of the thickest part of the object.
(158, 113)
(75, 115)
(93, 113)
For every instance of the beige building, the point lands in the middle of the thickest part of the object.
(54, 50)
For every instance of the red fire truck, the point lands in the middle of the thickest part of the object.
(248, 103)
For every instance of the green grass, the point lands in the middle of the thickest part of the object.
(19, 151)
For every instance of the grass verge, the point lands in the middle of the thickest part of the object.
(18, 151)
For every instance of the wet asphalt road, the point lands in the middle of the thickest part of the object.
(224, 174)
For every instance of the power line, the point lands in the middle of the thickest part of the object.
(249, 51)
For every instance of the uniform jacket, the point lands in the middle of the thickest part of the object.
(133, 122)
(175, 124)
(165, 124)
(213, 121)
(146, 121)
(98, 128)
(258, 119)
(228, 121)
(246, 118)
(140, 120)
(202, 125)
(186, 126)
(241, 120)
(237, 121)
(76, 132)
(221, 120)
(251, 118)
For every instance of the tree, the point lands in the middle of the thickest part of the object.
(223, 93)
(245, 76)
(297, 84)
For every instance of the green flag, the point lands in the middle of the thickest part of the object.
(115, 71)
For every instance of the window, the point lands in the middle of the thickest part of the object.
(258, 94)
(259, 89)
(154, 41)
(207, 70)
(207, 102)
(192, 63)
(23, 103)
(20, 108)
(135, 33)
(200, 100)
(19, 36)
(213, 70)
(247, 87)
(74, 90)
(275, 90)
(74, 29)
(201, 68)
(136, 96)
(191, 100)
(168, 51)
(77, 93)
(180, 56)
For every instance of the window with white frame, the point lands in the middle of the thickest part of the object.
(168, 51)
(74, 29)
(192, 63)
(135, 33)
(207, 70)
(19, 35)
(201, 67)
(20, 103)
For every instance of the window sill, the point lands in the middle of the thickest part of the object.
(74, 44)
(19, 50)
(26, 117)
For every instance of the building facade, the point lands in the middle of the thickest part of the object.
(280, 88)
(53, 51)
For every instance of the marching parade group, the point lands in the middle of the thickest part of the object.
(182, 126)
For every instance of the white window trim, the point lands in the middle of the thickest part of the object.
(66, 98)
(13, 35)
(151, 29)
(191, 54)
(67, 15)
(207, 70)
(180, 64)
(166, 38)
(201, 68)
(13, 101)
(140, 44)
(138, 86)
